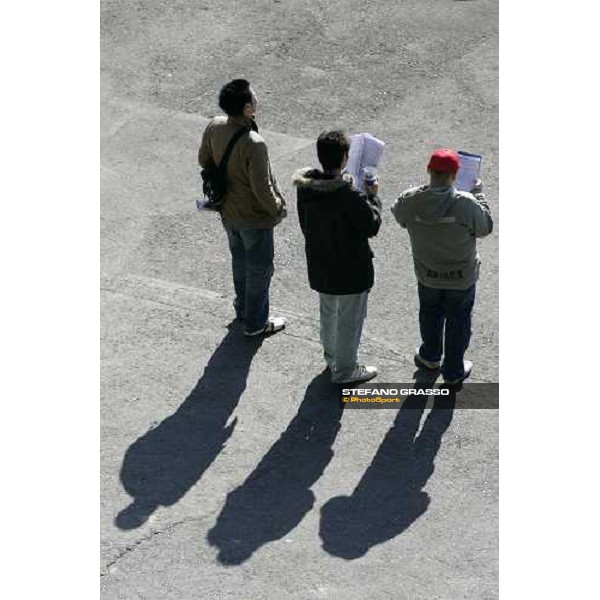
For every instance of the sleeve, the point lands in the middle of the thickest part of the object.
(275, 185)
(262, 182)
(482, 223)
(279, 194)
(301, 214)
(365, 213)
(205, 158)
(399, 210)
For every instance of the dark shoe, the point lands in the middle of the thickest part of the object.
(468, 367)
(274, 324)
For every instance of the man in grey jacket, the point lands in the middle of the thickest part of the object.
(443, 224)
(253, 205)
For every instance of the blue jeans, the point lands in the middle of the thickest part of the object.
(452, 308)
(342, 318)
(252, 266)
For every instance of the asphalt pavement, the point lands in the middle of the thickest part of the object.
(227, 468)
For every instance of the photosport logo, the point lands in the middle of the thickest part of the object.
(397, 395)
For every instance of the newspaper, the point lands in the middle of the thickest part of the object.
(365, 154)
(468, 172)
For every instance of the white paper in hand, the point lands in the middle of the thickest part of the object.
(365, 152)
(468, 172)
(201, 203)
(200, 197)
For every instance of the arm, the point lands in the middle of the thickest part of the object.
(262, 181)
(365, 213)
(279, 194)
(275, 184)
(399, 210)
(301, 214)
(205, 158)
(482, 222)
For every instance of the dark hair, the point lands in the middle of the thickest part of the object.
(234, 96)
(332, 147)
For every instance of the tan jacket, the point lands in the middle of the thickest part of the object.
(253, 199)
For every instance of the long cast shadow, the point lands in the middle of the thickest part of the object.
(390, 496)
(163, 464)
(276, 495)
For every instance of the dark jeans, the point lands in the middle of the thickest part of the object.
(252, 266)
(452, 308)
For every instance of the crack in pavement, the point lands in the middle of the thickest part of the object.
(131, 547)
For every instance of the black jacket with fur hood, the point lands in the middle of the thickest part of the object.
(336, 221)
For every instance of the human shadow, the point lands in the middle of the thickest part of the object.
(164, 463)
(390, 496)
(425, 377)
(276, 495)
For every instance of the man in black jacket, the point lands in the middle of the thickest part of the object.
(337, 221)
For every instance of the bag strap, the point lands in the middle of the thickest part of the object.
(232, 142)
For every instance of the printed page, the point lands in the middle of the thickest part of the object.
(468, 173)
(373, 149)
(355, 153)
(365, 151)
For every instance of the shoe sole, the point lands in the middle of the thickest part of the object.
(263, 333)
(362, 380)
(457, 381)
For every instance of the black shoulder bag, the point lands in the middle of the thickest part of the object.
(214, 179)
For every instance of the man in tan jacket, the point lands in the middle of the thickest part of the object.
(253, 205)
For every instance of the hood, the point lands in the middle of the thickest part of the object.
(317, 181)
(434, 202)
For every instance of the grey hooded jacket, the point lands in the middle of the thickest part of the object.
(443, 225)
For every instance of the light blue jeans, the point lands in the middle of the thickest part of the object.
(342, 318)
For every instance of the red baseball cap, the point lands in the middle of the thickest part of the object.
(444, 161)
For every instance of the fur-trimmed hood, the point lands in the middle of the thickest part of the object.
(317, 181)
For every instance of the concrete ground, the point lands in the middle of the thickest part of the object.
(228, 470)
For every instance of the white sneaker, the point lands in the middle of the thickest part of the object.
(274, 324)
(359, 373)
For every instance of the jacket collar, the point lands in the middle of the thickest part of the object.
(241, 121)
(319, 182)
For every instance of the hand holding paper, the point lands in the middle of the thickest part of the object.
(468, 173)
(477, 188)
(365, 153)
